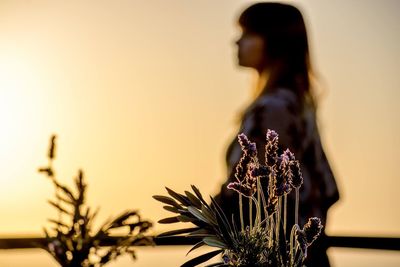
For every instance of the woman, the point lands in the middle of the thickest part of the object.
(274, 43)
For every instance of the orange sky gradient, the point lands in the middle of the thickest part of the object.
(145, 94)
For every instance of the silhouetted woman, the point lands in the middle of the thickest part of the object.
(274, 43)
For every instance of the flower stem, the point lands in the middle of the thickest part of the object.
(251, 213)
(264, 202)
(284, 214)
(278, 219)
(296, 211)
(241, 211)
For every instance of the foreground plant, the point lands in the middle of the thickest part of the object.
(261, 242)
(73, 241)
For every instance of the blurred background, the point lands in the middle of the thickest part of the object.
(145, 94)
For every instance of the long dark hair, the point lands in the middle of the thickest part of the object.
(287, 52)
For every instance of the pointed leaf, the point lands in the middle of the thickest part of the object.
(178, 232)
(195, 212)
(171, 209)
(193, 199)
(201, 233)
(202, 258)
(119, 221)
(199, 244)
(58, 223)
(65, 190)
(209, 215)
(64, 199)
(183, 218)
(214, 242)
(58, 207)
(181, 198)
(223, 223)
(216, 264)
(167, 200)
(169, 220)
(198, 194)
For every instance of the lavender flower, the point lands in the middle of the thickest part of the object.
(283, 174)
(261, 242)
(241, 168)
(297, 178)
(243, 189)
(271, 149)
(246, 184)
(249, 155)
(248, 147)
(311, 230)
(259, 171)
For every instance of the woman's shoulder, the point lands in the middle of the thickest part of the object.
(280, 99)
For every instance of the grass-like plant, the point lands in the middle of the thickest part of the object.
(261, 242)
(72, 240)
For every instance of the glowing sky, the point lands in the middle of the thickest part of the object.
(144, 94)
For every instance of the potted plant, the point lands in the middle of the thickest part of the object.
(261, 242)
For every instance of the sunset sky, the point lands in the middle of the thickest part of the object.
(145, 94)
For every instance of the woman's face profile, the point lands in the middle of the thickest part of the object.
(251, 47)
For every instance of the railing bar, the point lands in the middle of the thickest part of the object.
(381, 243)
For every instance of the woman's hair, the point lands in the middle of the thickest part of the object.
(286, 51)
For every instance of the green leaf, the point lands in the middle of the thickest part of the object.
(67, 201)
(199, 196)
(195, 212)
(208, 214)
(65, 190)
(202, 258)
(58, 207)
(223, 223)
(216, 264)
(169, 220)
(181, 198)
(199, 244)
(167, 200)
(120, 220)
(201, 233)
(178, 232)
(214, 242)
(193, 199)
(58, 223)
(183, 218)
(171, 209)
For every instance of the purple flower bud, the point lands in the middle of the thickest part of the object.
(297, 178)
(242, 168)
(272, 136)
(271, 149)
(283, 175)
(289, 154)
(259, 171)
(249, 156)
(248, 147)
(312, 229)
(242, 189)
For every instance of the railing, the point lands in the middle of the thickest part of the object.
(383, 243)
